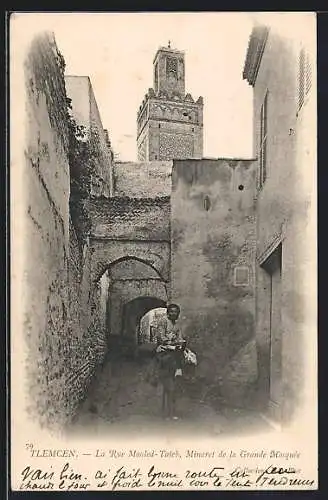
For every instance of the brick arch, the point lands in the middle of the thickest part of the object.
(105, 253)
(132, 287)
(104, 265)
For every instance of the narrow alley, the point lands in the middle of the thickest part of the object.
(121, 398)
(107, 241)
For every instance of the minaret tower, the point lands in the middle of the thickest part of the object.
(170, 122)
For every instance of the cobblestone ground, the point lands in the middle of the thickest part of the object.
(122, 398)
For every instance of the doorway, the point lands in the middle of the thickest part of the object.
(273, 268)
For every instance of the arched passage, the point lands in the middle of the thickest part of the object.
(133, 311)
(124, 262)
(106, 253)
(135, 287)
(147, 321)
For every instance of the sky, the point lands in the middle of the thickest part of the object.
(116, 51)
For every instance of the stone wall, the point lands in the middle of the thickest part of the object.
(102, 181)
(130, 218)
(86, 324)
(85, 112)
(213, 261)
(105, 252)
(144, 179)
(62, 354)
(131, 238)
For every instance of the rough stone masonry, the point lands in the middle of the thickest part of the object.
(61, 324)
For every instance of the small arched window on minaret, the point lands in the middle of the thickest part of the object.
(207, 203)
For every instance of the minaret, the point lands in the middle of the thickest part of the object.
(170, 122)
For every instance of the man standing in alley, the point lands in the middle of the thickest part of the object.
(167, 329)
(166, 332)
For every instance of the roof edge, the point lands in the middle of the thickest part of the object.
(256, 45)
(169, 50)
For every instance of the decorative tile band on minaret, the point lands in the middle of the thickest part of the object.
(169, 122)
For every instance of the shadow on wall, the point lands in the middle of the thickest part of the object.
(227, 358)
(213, 230)
(217, 337)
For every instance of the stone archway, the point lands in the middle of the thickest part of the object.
(105, 253)
(130, 278)
(133, 311)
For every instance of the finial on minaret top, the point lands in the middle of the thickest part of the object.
(169, 44)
